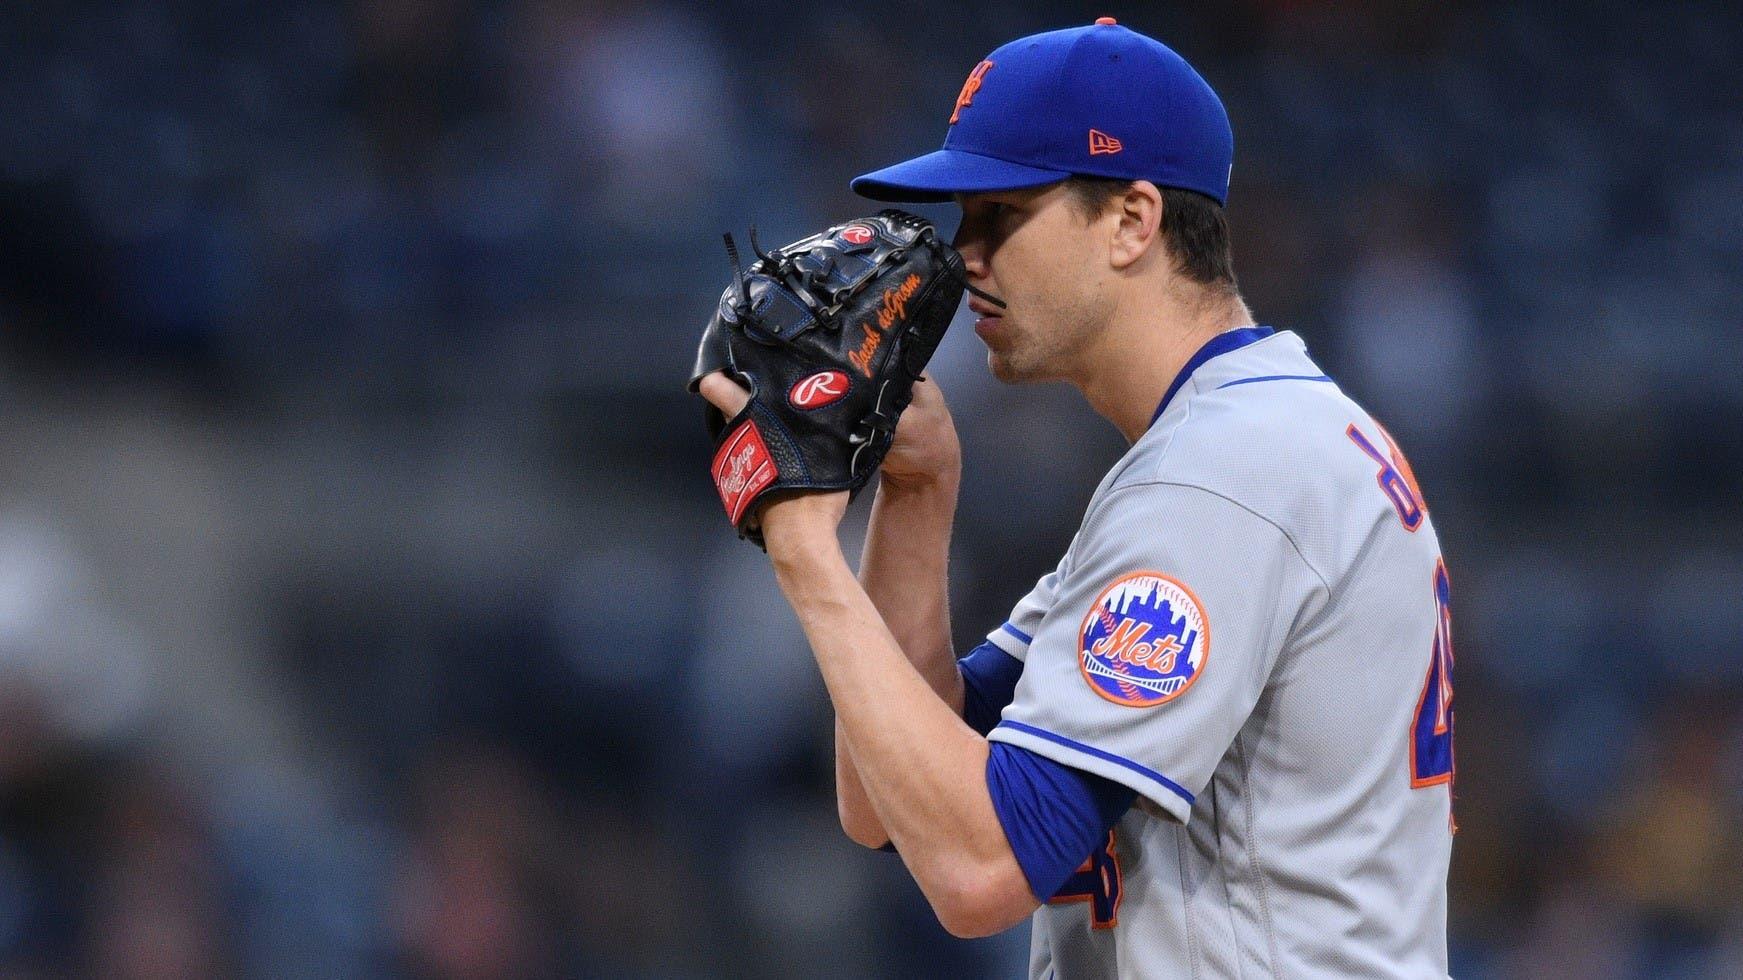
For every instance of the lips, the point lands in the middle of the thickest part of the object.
(988, 320)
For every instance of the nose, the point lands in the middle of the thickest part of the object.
(972, 247)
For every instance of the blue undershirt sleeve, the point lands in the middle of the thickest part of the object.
(1054, 816)
(989, 682)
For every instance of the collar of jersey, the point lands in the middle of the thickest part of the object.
(1222, 343)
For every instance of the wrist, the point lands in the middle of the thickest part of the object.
(795, 545)
(922, 511)
(942, 484)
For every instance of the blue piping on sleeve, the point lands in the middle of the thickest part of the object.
(1147, 773)
(1274, 377)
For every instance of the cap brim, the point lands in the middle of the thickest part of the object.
(938, 175)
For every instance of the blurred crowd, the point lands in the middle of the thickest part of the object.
(365, 609)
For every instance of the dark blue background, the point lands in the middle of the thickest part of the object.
(365, 608)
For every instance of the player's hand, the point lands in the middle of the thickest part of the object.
(926, 452)
(801, 513)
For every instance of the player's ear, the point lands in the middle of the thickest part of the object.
(1139, 211)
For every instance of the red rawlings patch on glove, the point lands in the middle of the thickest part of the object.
(743, 468)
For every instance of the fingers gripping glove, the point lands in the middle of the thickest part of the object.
(829, 334)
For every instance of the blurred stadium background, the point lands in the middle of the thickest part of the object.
(364, 606)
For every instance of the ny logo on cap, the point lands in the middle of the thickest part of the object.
(965, 97)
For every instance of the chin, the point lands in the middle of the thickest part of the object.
(1000, 366)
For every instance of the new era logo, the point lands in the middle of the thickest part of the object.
(1100, 142)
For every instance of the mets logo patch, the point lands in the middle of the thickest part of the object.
(1144, 640)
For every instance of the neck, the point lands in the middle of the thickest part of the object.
(1143, 349)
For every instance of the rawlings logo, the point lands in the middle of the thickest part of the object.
(739, 476)
(820, 389)
(855, 234)
(965, 98)
(1144, 640)
(742, 469)
(893, 308)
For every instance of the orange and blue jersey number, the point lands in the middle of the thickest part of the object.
(1395, 477)
(1096, 881)
(1431, 732)
(1431, 728)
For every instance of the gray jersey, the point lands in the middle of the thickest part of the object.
(1249, 630)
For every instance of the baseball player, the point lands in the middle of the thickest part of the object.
(1216, 740)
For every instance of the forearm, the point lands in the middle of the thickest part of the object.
(922, 768)
(904, 570)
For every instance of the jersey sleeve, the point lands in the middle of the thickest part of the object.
(1162, 635)
(1018, 631)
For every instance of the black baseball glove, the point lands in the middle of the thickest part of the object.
(829, 335)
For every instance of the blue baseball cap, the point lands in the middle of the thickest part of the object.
(1100, 101)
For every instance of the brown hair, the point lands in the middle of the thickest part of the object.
(1194, 227)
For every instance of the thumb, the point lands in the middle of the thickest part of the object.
(724, 393)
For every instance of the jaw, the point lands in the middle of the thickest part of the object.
(1028, 359)
(1016, 371)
